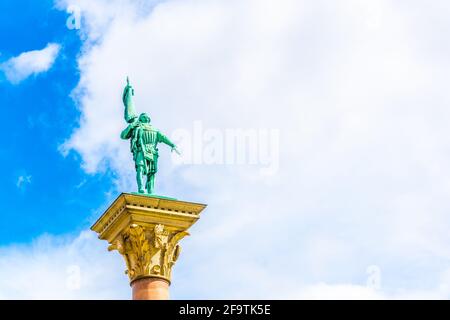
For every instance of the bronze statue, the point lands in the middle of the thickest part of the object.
(144, 139)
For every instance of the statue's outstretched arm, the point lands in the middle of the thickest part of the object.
(162, 138)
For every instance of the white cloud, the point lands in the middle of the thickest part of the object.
(63, 267)
(80, 267)
(30, 63)
(339, 292)
(358, 93)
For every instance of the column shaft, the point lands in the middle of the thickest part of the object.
(150, 289)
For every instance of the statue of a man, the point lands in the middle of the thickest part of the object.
(144, 139)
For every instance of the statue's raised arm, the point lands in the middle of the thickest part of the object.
(130, 114)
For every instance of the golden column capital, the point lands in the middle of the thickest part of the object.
(146, 230)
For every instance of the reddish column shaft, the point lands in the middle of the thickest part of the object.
(150, 289)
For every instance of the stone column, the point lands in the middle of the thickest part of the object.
(146, 230)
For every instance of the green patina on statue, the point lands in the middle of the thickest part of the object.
(144, 139)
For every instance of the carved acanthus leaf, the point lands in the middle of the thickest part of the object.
(148, 250)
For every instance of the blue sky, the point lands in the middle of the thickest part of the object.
(39, 116)
(350, 199)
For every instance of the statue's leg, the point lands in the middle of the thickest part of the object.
(140, 179)
(151, 183)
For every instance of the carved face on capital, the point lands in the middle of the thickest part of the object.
(144, 118)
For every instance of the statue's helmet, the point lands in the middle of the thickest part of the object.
(144, 118)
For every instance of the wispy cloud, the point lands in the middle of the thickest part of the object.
(81, 184)
(23, 180)
(30, 63)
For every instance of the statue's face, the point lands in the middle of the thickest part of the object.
(144, 118)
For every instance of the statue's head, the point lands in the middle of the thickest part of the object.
(144, 118)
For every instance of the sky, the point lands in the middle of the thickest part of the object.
(316, 131)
